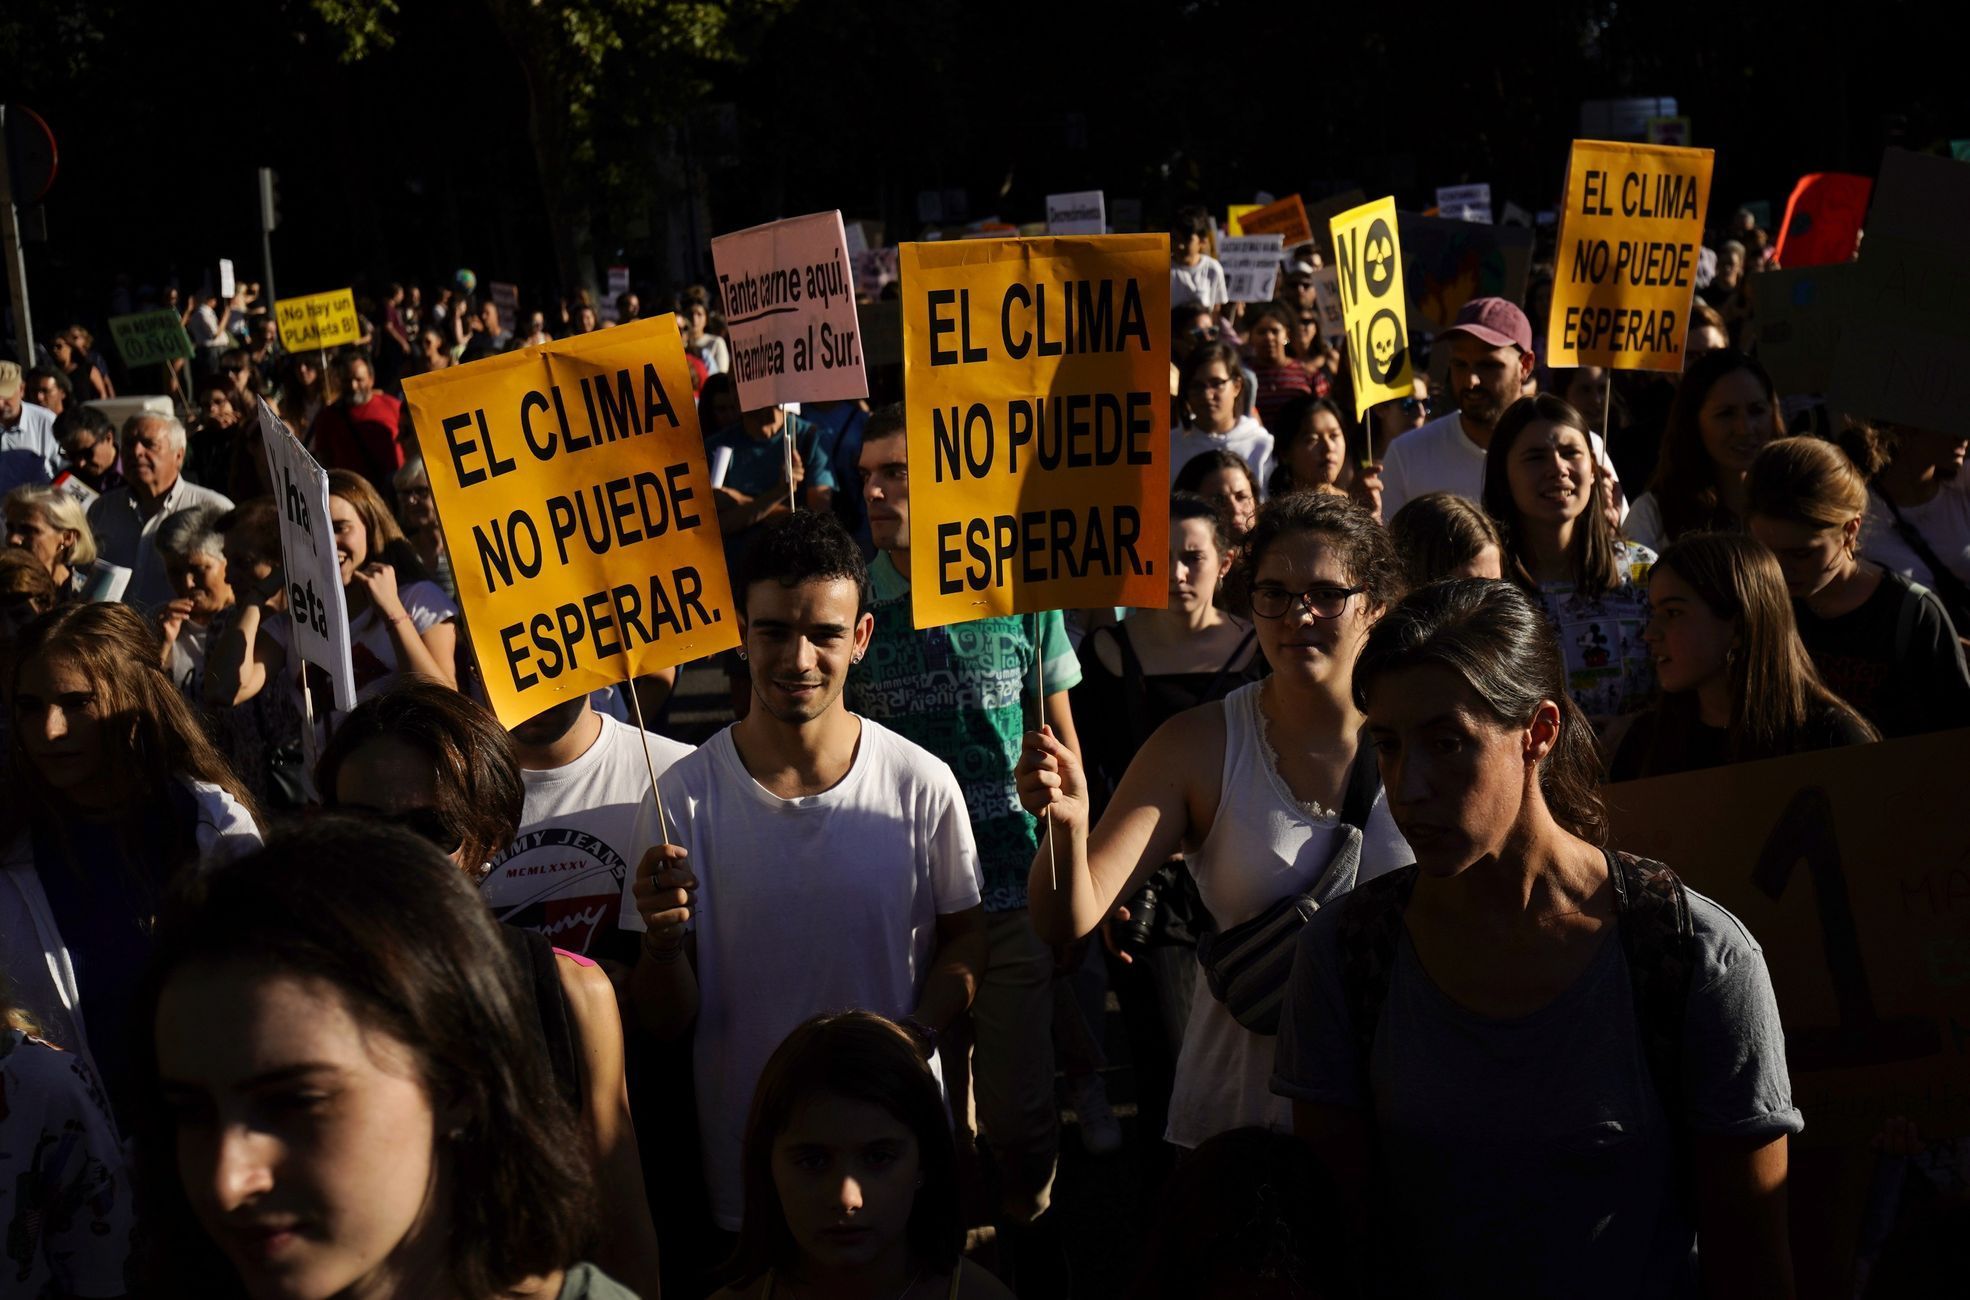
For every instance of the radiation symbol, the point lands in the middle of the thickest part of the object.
(1385, 347)
(1378, 257)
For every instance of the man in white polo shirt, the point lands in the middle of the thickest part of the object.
(1491, 361)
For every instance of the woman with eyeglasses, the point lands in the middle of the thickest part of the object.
(112, 794)
(1269, 793)
(429, 760)
(1548, 494)
(1213, 382)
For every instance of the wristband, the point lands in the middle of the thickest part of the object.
(662, 951)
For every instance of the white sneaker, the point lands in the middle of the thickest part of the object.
(1101, 1132)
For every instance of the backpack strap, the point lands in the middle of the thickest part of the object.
(533, 956)
(1371, 926)
(1659, 939)
(1364, 783)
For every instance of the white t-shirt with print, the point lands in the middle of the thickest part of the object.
(1440, 457)
(565, 872)
(823, 903)
(1203, 283)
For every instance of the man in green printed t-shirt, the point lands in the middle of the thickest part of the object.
(967, 693)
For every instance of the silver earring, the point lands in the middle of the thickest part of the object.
(742, 654)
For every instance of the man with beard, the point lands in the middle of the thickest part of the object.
(813, 859)
(1491, 361)
(586, 784)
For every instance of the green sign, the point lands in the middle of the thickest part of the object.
(150, 337)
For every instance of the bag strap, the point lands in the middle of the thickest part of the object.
(1224, 669)
(1364, 783)
(1371, 926)
(1133, 686)
(1657, 936)
(1952, 590)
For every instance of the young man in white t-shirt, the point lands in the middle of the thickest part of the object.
(566, 870)
(1491, 362)
(815, 861)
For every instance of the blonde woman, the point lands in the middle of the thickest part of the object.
(51, 525)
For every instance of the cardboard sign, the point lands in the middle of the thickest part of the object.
(309, 565)
(1446, 263)
(1823, 220)
(1465, 202)
(507, 298)
(1284, 217)
(1084, 213)
(1251, 266)
(147, 338)
(570, 481)
(1327, 297)
(227, 285)
(1374, 307)
(1037, 377)
(1848, 870)
(618, 282)
(319, 320)
(1234, 216)
(1905, 335)
(1630, 228)
(789, 297)
(1797, 316)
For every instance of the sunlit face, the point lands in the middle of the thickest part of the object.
(1187, 246)
(847, 1174)
(695, 320)
(432, 342)
(201, 579)
(1196, 565)
(359, 382)
(1551, 471)
(306, 1141)
(885, 469)
(1214, 396)
(151, 457)
(91, 456)
(1305, 296)
(1319, 452)
(1487, 563)
(1689, 643)
(1318, 651)
(1455, 776)
(10, 408)
(1945, 451)
(1736, 421)
(30, 530)
(1230, 490)
(586, 320)
(1484, 380)
(61, 718)
(1810, 557)
(799, 643)
(351, 537)
(62, 351)
(1268, 339)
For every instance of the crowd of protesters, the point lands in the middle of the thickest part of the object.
(398, 1002)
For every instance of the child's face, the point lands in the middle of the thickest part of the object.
(1188, 247)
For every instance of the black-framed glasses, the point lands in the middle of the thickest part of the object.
(1413, 405)
(1203, 335)
(1321, 602)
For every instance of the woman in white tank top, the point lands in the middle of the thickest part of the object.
(1248, 788)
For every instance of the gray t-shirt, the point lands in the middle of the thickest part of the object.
(1531, 1156)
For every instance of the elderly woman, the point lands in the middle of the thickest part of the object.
(50, 525)
(195, 565)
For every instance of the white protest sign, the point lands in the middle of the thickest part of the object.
(309, 567)
(790, 307)
(1085, 213)
(227, 286)
(1465, 202)
(1327, 297)
(618, 286)
(1251, 265)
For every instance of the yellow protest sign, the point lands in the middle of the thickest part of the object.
(1234, 216)
(1374, 303)
(571, 485)
(319, 320)
(1037, 377)
(1631, 226)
